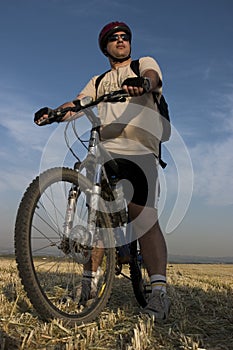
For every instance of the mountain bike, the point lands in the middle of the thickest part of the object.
(67, 218)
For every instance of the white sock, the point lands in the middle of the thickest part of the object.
(158, 282)
(89, 274)
(93, 276)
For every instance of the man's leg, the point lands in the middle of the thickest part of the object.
(154, 250)
(151, 239)
(91, 271)
(154, 253)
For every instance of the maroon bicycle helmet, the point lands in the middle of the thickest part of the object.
(109, 29)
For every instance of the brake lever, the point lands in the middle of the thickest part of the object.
(118, 99)
(117, 96)
(43, 122)
(53, 116)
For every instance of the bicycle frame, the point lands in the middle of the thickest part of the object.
(96, 157)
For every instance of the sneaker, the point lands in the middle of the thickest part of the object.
(158, 306)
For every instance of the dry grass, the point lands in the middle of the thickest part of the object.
(201, 316)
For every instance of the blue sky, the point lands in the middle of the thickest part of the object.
(49, 51)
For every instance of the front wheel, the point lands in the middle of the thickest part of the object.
(51, 263)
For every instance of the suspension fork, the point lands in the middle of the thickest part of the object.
(95, 191)
(71, 206)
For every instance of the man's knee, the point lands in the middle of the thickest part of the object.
(143, 219)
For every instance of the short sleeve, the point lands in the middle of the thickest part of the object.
(146, 63)
(89, 89)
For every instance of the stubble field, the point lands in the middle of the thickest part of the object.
(201, 315)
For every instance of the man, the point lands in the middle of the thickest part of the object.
(131, 132)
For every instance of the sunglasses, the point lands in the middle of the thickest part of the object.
(116, 37)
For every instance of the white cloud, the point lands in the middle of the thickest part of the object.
(213, 168)
(212, 155)
(20, 139)
(17, 119)
(213, 159)
(202, 172)
(15, 180)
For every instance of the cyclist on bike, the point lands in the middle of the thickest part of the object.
(134, 142)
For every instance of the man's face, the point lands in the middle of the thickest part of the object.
(118, 45)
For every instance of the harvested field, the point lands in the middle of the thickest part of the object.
(201, 315)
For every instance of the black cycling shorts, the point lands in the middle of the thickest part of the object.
(141, 171)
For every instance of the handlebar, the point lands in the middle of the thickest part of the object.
(114, 96)
(86, 102)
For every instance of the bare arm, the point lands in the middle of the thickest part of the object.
(154, 78)
(68, 115)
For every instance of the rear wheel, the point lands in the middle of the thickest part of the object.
(51, 263)
(139, 276)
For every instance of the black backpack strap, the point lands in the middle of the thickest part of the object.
(134, 65)
(161, 162)
(98, 80)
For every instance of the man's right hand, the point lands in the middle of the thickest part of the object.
(41, 116)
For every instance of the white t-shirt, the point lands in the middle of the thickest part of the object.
(134, 126)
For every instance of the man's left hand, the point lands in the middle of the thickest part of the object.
(134, 86)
